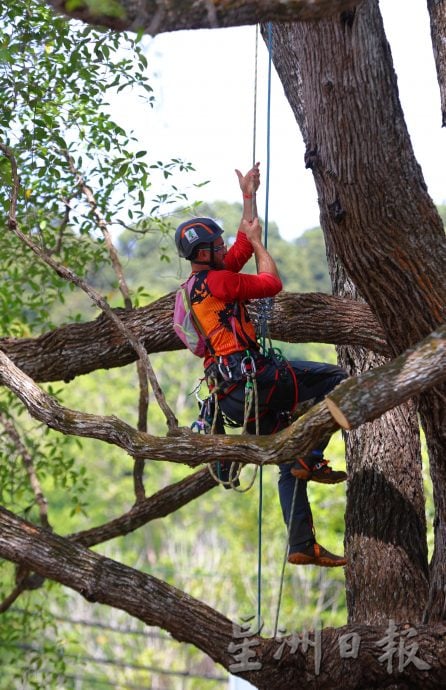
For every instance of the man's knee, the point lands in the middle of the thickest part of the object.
(337, 376)
(340, 375)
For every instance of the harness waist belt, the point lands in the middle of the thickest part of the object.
(227, 369)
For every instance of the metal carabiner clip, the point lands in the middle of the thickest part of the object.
(224, 370)
(248, 366)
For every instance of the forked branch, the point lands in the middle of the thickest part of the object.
(143, 405)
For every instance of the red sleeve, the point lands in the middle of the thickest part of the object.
(240, 252)
(229, 286)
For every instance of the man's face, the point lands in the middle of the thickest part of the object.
(220, 252)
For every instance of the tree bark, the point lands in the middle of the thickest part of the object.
(373, 199)
(386, 656)
(418, 369)
(385, 530)
(433, 415)
(383, 457)
(156, 16)
(76, 349)
(371, 190)
(437, 13)
(432, 406)
(185, 447)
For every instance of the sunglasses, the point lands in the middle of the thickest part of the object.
(218, 248)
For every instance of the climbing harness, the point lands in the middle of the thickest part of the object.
(210, 419)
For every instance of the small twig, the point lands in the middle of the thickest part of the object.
(62, 227)
(156, 22)
(28, 463)
(96, 297)
(143, 405)
(15, 187)
(11, 598)
(25, 579)
(103, 227)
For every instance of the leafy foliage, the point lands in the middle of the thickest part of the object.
(57, 78)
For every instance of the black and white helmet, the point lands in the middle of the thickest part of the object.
(193, 232)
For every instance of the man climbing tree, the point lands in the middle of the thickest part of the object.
(237, 370)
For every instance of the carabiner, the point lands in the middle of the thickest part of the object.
(248, 366)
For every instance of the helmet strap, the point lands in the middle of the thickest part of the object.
(212, 261)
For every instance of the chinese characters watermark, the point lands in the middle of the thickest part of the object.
(242, 650)
(398, 646)
(394, 645)
(294, 641)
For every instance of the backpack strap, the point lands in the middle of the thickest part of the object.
(195, 319)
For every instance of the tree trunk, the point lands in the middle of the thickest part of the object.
(339, 79)
(385, 536)
(433, 415)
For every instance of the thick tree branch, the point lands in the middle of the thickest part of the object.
(76, 349)
(349, 657)
(162, 503)
(407, 379)
(158, 16)
(183, 446)
(417, 370)
(94, 576)
(319, 318)
(437, 13)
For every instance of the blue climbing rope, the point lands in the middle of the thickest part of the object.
(268, 130)
(263, 315)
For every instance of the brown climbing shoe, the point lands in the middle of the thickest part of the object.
(316, 555)
(318, 471)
